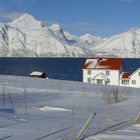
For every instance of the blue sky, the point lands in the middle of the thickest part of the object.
(98, 17)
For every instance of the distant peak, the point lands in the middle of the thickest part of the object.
(88, 36)
(25, 16)
(26, 20)
(56, 27)
(135, 29)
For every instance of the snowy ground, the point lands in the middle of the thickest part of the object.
(46, 109)
(131, 133)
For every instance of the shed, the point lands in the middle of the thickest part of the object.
(38, 74)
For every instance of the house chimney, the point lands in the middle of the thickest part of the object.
(99, 59)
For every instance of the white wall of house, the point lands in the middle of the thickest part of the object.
(113, 75)
(92, 76)
(135, 79)
(125, 82)
(131, 82)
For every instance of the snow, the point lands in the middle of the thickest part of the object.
(91, 63)
(131, 133)
(27, 36)
(26, 21)
(36, 73)
(92, 40)
(122, 45)
(66, 106)
(47, 108)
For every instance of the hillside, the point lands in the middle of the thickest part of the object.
(26, 36)
(126, 44)
(48, 109)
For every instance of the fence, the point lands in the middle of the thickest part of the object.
(115, 107)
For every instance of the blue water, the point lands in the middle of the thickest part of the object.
(56, 68)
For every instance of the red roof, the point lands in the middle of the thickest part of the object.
(125, 74)
(108, 63)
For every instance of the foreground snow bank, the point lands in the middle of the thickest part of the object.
(65, 106)
(132, 133)
(47, 108)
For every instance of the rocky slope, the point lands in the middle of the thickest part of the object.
(122, 45)
(26, 36)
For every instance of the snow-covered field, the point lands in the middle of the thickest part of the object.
(47, 109)
(131, 133)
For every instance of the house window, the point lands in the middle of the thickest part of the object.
(89, 80)
(107, 72)
(89, 72)
(125, 82)
(133, 82)
(138, 73)
(107, 82)
(99, 81)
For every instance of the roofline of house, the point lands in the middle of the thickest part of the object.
(122, 64)
(99, 69)
(125, 78)
(134, 72)
(99, 75)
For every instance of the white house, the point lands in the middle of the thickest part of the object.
(109, 71)
(130, 79)
(103, 71)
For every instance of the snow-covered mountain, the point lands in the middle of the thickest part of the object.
(27, 36)
(91, 40)
(126, 44)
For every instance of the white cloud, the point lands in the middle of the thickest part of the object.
(11, 15)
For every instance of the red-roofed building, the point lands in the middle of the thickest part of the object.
(109, 71)
(103, 70)
(125, 75)
(130, 79)
(124, 78)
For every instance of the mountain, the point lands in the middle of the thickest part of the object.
(27, 36)
(4, 49)
(25, 21)
(126, 44)
(91, 40)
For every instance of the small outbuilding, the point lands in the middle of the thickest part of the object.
(38, 74)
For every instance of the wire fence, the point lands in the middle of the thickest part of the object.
(116, 107)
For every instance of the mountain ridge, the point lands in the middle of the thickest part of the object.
(28, 37)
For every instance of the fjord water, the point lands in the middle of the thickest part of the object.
(56, 68)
